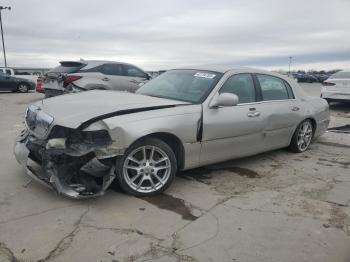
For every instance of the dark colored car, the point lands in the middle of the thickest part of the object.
(306, 78)
(15, 84)
(321, 77)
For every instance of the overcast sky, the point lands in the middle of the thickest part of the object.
(163, 34)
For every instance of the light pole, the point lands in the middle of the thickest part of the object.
(290, 61)
(2, 31)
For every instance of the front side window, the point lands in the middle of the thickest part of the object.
(133, 71)
(273, 88)
(112, 69)
(185, 85)
(241, 85)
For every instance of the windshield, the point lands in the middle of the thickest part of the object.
(341, 75)
(184, 85)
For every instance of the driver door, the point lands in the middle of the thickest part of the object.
(7, 83)
(236, 131)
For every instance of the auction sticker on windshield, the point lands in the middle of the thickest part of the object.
(205, 75)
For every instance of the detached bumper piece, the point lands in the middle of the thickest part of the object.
(73, 173)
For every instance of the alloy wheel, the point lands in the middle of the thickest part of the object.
(304, 135)
(23, 88)
(147, 169)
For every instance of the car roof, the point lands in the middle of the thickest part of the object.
(226, 69)
(95, 62)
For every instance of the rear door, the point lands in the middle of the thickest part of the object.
(135, 76)
(282, 111)
(114, 77)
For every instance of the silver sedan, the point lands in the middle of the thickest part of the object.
(78, 144)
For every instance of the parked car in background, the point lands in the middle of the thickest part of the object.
(15, 84)
(308, 78)
(182, 119)
(321, 77)
(14, 73)
(76, 76)
(337, 87)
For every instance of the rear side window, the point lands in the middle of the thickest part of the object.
(68, 67)
(8, 71)
(241, 85)
(112, 69)
(274, 88)
(133, 71)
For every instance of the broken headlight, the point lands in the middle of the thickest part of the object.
(75, 139)
(38, 121)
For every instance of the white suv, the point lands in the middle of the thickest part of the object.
(75, 76)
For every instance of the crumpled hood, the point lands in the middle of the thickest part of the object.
(72, 110)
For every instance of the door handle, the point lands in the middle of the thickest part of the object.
(105, 79)
(295, 108)
(253, 114)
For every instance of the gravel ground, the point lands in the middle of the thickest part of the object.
(275, 206)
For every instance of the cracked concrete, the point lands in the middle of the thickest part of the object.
(276, 206)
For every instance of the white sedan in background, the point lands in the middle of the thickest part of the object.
(337, 87)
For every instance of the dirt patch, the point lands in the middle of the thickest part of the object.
(338, 220)
(203, 175)
(243, 172)
(333, 144)
(342, 164)
(172, 204)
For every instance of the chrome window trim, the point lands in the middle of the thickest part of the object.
(227, 75)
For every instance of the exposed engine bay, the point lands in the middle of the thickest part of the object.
(75, 163)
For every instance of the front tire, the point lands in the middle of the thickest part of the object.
(302, 137)
(147, 168)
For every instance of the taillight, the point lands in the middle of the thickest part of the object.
(69, 79)
(39, 85)
(328, 83)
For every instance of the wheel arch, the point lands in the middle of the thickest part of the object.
(24, 83)
(173, 141)
(313, 122)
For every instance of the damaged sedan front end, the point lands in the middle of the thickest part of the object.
(76, 163)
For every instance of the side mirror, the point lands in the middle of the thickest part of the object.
(224, 100)
(147, 76)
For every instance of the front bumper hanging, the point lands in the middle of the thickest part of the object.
(72, 175)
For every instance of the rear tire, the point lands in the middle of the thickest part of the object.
(302, 137)
(147, 168)
(23, 88)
